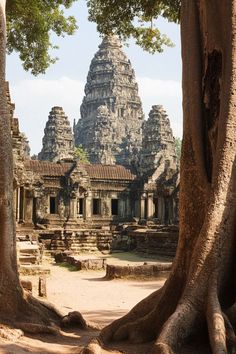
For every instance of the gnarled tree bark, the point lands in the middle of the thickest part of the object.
(9, 280)
(17, 308)
(200, 291)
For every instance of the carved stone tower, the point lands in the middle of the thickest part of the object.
(111, 112)
(58, 142)
(158, 145)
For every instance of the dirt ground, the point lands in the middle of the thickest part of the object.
(99, 301)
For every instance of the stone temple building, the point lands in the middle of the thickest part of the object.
(158, 144)
(58, 142)
(158, 168)
(111, 112)
(133, 175)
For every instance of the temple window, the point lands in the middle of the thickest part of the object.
(80, 206)
(114, 206)
(96, 206)
(53, 205)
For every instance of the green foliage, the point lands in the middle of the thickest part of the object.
(29, 26)
(31, 22)
(178, 144)
(135, 18)
(68, 266)
(81, 154)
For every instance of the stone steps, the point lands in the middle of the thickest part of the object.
(29, 252)
(82, 241)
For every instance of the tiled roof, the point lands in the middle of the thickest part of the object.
(111, 172)
(46, 168)
(94, 171)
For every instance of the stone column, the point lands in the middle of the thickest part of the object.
(150, 206)
(15, 202)
(106, 207)
(161, 209)
(121, 208)
(18, 204)
(128, 207)
(73, 207)
(88, 206)
(142, 205)
(28, 207)
(22, 204)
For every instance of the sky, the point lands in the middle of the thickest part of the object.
(158, 77)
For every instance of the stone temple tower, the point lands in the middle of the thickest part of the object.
(111, 112)
(158, 145)
(58, 141)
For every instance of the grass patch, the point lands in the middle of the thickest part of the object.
(68, 266)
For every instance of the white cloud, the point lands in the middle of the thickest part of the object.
(158, 88)
(167, 93)
(35, 98)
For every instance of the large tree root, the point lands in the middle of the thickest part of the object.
(118, 328)
(190, 319)
(35, 317)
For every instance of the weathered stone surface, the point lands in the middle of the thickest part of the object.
(28, 252)
(26, 147)
(162, 241)
(20, 144)
(58, 142)
(111, 112)
(81, 262)
(42, 286)
(33, 270)
(158, 144)
(139, 271)
(82, 241)
(74, 319)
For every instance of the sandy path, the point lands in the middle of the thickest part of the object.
(97, 299)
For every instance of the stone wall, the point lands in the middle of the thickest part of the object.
(144, 271)
(162, 241)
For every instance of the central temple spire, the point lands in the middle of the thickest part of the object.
(111, 112)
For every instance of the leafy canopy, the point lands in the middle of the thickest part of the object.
(29, 26)
(135, 18)
(178, 145)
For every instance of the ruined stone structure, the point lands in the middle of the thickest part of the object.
(20, 145)
(134, 176)
(71, 195)
(158, 169)
(158, 144)
(111, 112)
(58, 141)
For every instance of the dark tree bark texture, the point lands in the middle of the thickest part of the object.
(197, 301)
(17, 308)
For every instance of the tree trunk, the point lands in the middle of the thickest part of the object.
(198, 298)
(10, 289)
(17, 308)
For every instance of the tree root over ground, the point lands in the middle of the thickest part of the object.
(183, 332)
(35, 317)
